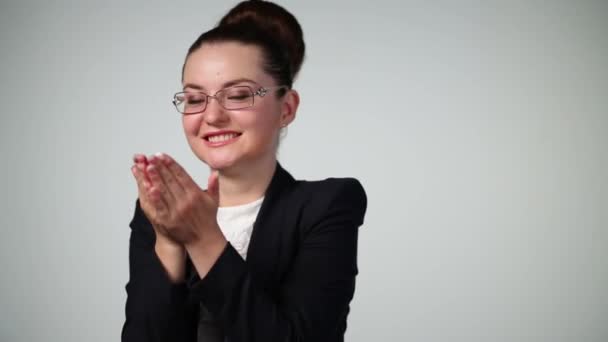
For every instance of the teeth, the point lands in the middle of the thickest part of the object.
(221, 137)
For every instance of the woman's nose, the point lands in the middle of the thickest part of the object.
(214, 113)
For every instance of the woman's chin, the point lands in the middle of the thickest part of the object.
(219, 164)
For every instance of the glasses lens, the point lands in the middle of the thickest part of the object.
(237, 97)
(189, 103)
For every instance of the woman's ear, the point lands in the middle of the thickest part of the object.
(291, 101)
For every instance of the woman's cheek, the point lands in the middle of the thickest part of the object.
(191, 124)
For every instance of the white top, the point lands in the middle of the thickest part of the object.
(237, 224)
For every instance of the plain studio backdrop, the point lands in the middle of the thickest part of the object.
(479, 130)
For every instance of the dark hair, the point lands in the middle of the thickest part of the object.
(268, 26)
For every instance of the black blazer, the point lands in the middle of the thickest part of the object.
(296, 284)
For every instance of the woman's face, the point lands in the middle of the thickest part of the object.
(234, 139)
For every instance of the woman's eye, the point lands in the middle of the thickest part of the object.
(196, 100)
(239, 96)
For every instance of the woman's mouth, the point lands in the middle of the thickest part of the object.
(221, 138)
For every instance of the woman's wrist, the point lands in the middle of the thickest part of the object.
(205, 252)
(173, 258)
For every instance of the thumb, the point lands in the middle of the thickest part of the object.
(213, 186)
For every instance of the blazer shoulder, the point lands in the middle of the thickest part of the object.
(346, 188)
(332, 195)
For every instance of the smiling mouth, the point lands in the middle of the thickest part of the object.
(222, 137)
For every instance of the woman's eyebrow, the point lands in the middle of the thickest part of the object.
(225, 85)
(193, 86)
(237, 81)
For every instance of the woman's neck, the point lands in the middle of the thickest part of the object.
(246, 184)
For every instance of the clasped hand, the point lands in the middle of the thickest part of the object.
(175, 205)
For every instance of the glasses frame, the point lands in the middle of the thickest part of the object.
(261, 92)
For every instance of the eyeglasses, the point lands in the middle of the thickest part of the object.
(231, 98)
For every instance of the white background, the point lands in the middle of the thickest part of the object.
(479, 130)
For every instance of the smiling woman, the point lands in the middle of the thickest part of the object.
(258, 255)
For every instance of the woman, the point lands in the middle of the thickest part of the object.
(258, 256)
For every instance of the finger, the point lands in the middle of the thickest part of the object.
(157, 201)
(136, 175)
(181, 176)
(144, 162)
(148, 197)
(173, 186)
(144, 178)
(139, 158)
(142, 188)
(139, 178)
(213, 186)
(159, 183)
(156, 191)
(141, 162)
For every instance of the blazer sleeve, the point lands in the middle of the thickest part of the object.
(314, 297)
(156, 309)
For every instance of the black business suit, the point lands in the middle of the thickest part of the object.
(295, 285)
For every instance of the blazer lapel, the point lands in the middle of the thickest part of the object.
(264, 245)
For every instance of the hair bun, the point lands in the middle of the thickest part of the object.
(274, 21)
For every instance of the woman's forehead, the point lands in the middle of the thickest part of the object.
(213, 65)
